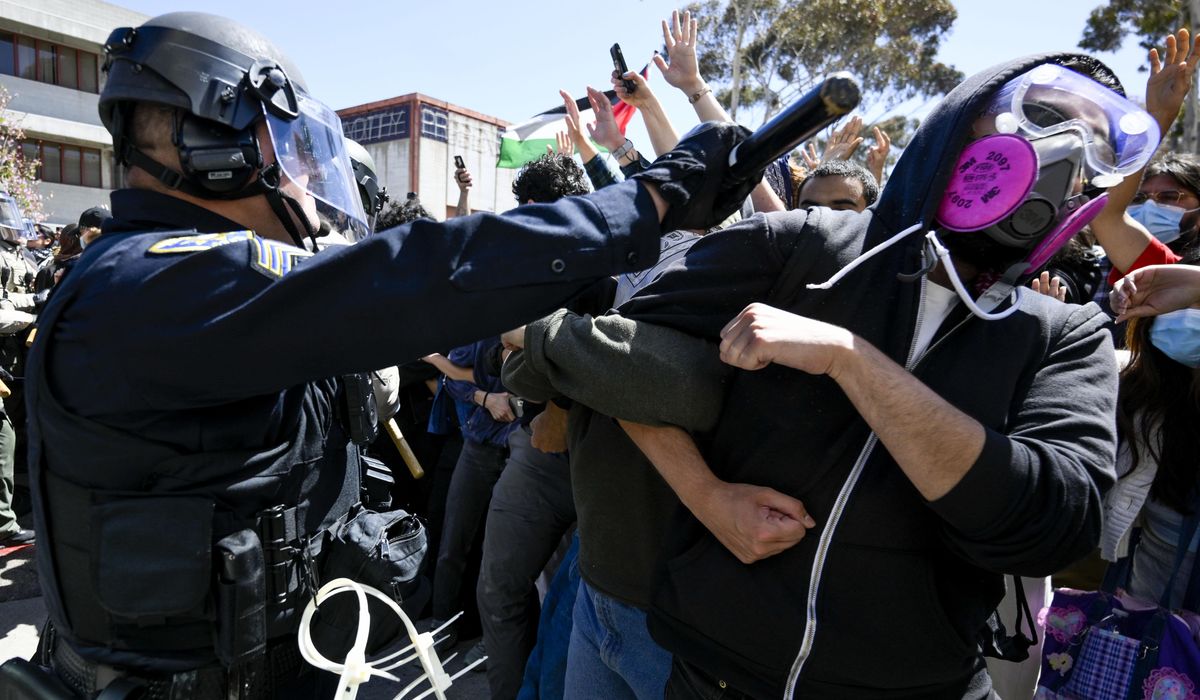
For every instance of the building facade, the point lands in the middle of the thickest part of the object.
(413, 140)
(50, 58)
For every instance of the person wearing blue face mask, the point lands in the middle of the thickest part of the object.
(1156, 416)
(1167, 203)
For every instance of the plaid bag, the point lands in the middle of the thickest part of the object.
(1108, 645)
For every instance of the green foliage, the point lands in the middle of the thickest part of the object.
(1149, 20)
(18, 177)
(767, 53)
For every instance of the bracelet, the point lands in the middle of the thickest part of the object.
(623, 150)
(698, 94)
(483, 403)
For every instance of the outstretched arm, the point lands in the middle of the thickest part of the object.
(1156, 289)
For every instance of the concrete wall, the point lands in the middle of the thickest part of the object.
(58, 103)
(81, 23)
(64, 203)
(391, 161)
(478, 143)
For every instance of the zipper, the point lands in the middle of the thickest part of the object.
(839, 506)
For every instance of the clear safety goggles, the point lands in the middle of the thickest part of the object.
(1119, 137)
(310, 150)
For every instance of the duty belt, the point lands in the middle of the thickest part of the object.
(258, 679)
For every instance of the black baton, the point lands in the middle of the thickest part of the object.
(836, 96)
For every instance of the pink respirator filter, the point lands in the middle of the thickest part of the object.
(992, 178)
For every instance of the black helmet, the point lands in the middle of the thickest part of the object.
(373, 195)
(223, 79)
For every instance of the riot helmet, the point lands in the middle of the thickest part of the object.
(12, 224)
(221, 81)
(373, 195)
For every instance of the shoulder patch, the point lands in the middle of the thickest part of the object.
(274, 259)
(198, 242)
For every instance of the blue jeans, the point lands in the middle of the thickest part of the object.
(612, 655)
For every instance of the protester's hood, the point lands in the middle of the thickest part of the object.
(916, 185)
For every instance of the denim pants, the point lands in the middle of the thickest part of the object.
(612, 655)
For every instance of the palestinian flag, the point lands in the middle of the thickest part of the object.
(526, 141)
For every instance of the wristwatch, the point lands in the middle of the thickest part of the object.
(623, 150)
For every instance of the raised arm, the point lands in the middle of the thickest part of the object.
(1123, 239)
(683, 72)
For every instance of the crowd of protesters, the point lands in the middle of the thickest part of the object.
(595, 639)
(796, 455)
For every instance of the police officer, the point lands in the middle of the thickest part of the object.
(188, 434)
(17, 313)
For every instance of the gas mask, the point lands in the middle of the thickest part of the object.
(1055, 140)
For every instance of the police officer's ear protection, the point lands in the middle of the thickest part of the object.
(218, 159)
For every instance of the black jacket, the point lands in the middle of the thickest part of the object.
(181, 386)
(887, 595)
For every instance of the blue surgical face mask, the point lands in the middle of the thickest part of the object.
(1162, 220)
(1177, 334)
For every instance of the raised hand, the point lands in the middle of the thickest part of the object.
(575, 128)
(605, 130)
(640, 97)
(1171, 78)
(1051, 287)
(877, 154)
(845, 141)
(812, 160)
(562, 144)
(683, 71)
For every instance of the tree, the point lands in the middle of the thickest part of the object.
(18, 176)
(767, 53)
(1150, 21)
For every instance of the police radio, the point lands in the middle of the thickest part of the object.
(359, 412)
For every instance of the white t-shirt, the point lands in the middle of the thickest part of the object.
(938, 302)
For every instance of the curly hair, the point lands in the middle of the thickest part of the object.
(548, 179)
(398, 213)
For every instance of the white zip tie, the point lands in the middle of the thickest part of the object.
(355, 669)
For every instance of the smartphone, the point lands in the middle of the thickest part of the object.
(618, 60)
(517, 404)
(458, 163)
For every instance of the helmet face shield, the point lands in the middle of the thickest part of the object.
(310, 151)
(1118, 136)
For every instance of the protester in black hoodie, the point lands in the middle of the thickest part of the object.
(997, 436)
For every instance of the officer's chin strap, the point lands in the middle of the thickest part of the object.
(267, 184)
(355, 669)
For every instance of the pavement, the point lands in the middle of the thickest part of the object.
(22, 614)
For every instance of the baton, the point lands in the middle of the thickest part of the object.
(836, 96)
(410, 459)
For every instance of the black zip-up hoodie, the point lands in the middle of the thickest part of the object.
(886, 597)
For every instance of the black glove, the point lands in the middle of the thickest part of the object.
(694, 177)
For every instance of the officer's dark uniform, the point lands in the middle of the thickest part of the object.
(183, 414)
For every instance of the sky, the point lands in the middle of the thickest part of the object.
(509, 59)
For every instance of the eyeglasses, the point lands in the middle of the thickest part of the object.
(1163, 197)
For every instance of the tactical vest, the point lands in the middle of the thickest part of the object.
(179, 559)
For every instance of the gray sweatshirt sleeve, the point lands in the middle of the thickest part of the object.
(623, 368)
